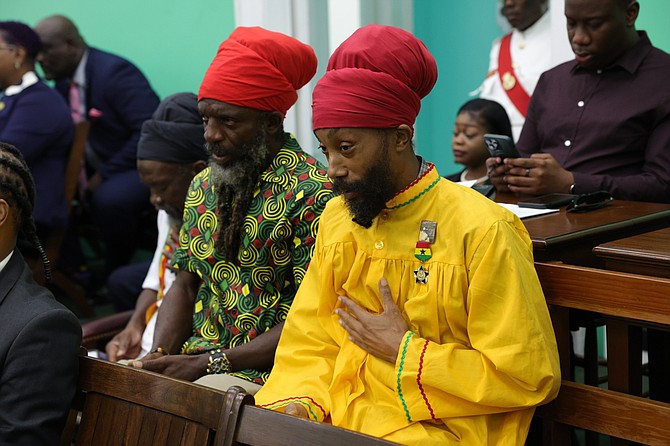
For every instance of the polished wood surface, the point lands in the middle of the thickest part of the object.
(262, 427)
(123, 405)
(623, 299)
(607, 412)
(571, 236)
(117, 404)
(630, 296)
(647, 253)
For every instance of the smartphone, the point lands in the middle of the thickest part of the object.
(549, 201)
(500, 146)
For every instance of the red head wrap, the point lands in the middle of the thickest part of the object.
(259, 69)
(375, 79)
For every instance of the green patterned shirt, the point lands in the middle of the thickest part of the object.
(234, 304)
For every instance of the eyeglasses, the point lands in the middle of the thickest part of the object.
(590, 201)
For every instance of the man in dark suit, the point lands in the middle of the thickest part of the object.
(116, 98)
(40, 338)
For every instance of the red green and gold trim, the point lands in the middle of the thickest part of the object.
(418, 381)
(400, 367)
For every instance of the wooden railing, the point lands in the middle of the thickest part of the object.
(624, 300)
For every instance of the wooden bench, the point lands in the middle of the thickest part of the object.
(117, 404)
(625, 300)
(262, 427)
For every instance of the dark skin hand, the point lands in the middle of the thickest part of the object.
(380, 335)
(127, 344)
(538, 175)
(255, 354)
(188, 367)
(296, 410)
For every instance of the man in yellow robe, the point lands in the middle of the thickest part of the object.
(421, 319)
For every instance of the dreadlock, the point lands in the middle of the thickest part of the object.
(233, 202)
(18, 188)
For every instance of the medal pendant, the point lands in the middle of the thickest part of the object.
(508, 81)
(421, 275)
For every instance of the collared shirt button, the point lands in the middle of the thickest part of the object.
(580, 104)
(599, 71)
(567, 143)
(379, 244)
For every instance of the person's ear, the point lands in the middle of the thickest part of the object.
(198, 167)
(403, 137)
(5, 212)
(273, 122)
(632, 11)
(20, 57)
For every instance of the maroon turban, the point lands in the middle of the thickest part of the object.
(375, 79)
(259, 69)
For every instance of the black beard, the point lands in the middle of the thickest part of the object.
(373, 191)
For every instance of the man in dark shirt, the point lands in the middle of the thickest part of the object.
(602, 121)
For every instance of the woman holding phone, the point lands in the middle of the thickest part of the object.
(474, 119)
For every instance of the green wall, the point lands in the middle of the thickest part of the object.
(171, 41)
(459, 34)
(654, 19)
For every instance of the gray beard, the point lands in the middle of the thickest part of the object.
(234, 186)
(244, 171)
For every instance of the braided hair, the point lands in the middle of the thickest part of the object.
(18, 188)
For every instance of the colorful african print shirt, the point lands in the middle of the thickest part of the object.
(236, 303)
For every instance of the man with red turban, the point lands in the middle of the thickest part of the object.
(250, 219)
(421, 319)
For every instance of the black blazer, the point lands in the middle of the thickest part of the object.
(39, 349)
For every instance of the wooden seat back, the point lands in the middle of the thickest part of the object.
(117, 404)
(625, 299)
(123, 405)
(257, 426)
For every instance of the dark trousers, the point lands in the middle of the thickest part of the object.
(124, 215)
(125, 284)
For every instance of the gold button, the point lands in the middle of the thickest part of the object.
(379, 244)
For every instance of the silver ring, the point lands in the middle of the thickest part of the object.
(527, 172)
